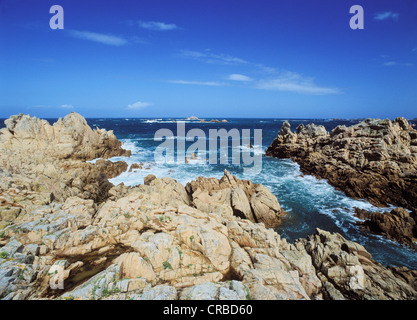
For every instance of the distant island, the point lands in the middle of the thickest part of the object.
(192, 118)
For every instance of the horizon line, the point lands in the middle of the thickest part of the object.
(218, 118)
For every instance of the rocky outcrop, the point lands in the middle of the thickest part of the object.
(375, 159)
(39, 157)
(347, 271)
(66, 233)
(151, 244)
(231, 196)
(68, 138)
(148, 238)
(398, 224)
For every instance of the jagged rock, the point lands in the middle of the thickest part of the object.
(169, 189)
(161, 240)
(111, 169)
(398, 224)
(69, 137)
(118, 191)
(50, 158)
(158, 247)
(148, 179)
(375, 159)
(351, 272)
(266, 207)
(231, 196)
(409, 276)
(241, 205)
(311, 130)
(135, 166)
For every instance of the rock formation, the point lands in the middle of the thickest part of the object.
(51, 158)
(347, 270)
(151, 244)
(70, 137)
(67, 233)
(398, 224)
(231, 196)
(375, 159)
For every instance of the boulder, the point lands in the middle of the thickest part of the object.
(51, 158)
(266, 207)
(148, 179)
(231, 196)
(398, 224)
(69, 137)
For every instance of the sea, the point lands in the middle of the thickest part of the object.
(309, 202)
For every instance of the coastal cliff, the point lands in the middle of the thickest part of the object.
(61, 219)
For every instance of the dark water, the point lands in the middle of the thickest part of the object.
(309, 202)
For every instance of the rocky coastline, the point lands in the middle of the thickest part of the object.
(375, 160)
(62, 220)
(398, 224)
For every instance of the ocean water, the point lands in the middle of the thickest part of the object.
(310, 203)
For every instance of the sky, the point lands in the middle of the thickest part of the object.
(217, 58)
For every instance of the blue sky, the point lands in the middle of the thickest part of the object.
(228, 58)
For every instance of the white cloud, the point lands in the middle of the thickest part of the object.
(239, 77)
(395, 63)
(293, 82)
(157, 26)
(278, 80)
(212, 58)
(98, 37)
(67, 106)
(199, 83)
(288, 81)
(138, 105)
(386, 15)
(224, 59)
(266, 69)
